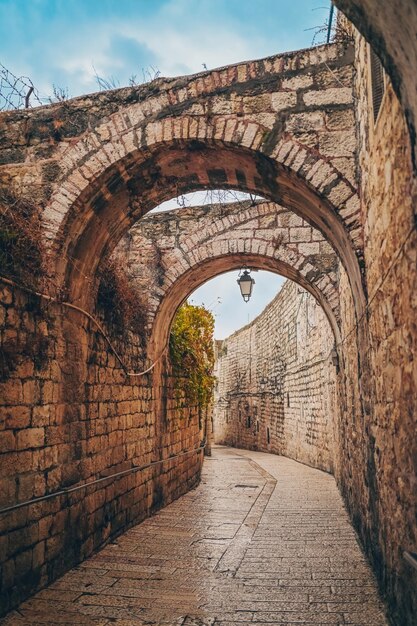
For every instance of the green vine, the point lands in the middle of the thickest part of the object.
(192, 354)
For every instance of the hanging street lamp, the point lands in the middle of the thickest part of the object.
(246, 283)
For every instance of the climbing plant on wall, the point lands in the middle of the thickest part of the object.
(192, 353)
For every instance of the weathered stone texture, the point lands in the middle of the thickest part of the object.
(276, 382)
(115, 157)
(384, 24)
(169, 254)
(283, 129)
(70, 415)
(381, 495)
(263, 540)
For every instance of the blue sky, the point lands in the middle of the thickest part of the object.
(222, 296)
(61, 41)
(65, 42)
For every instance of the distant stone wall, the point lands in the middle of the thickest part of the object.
(70, 415)
(276, 382)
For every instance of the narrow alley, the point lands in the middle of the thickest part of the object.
(262, 540)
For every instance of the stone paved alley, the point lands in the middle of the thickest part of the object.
(262, 540)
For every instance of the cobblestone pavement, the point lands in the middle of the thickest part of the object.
(262, 540)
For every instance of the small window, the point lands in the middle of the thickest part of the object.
(288, 399)
(268, 435)
(377, 82)
(257, 426)
(248, 421)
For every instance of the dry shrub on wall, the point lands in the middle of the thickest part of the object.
(23, 257)
(119, 300)
(16, 350)
(191, 349)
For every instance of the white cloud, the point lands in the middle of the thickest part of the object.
(58, 43)
(177, 42)
(179, 52)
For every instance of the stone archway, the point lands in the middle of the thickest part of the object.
(195, 165)
(199, 274)
(168, 255)
(267, 127)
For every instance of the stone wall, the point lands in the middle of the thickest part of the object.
(276, 382)
(70, 415)
(384, 24)
(378, 445)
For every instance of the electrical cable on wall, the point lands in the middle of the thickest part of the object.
(68, 490)
(74, 307)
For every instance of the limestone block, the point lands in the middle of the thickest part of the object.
(297, 82)
(7, 441)
(283, 100)
(300, 234)
(305, 122)
(338, 95)
(338, 143)
(339, 120)
(340, 194)
(257, 104)
(30, 438)
(15, 417)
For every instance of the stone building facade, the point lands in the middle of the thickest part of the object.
(276, 382)
(298, 129)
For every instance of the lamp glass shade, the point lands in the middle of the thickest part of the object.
(246, 283)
